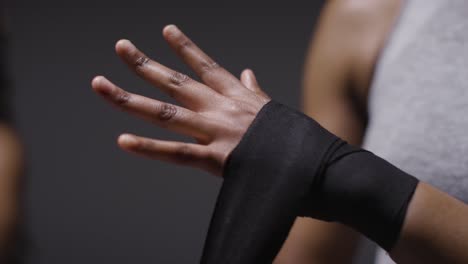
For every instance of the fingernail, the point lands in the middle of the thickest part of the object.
(171, 28)
(97, 80)
(127, 140)
(102, 85)
(124, 44)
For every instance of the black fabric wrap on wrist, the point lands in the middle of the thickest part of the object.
(287, 165)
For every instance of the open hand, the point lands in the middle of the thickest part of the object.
(216, 112)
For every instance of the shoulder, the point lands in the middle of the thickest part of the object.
(357, 31)
(352, 13)
(341, 60)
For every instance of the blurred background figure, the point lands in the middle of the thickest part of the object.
(10, 164)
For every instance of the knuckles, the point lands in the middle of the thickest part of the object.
(184, 44)
(184, 154)
(136, 57)
(178, 79)
(207, 67)
(122, 97)
(166, 112)
(141, 61)
(238, 108)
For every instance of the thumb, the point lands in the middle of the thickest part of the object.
(248, 79)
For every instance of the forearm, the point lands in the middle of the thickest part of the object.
(287, 165)
(277, 163)
(435, 229)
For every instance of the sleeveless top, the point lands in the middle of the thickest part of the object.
(418, 101)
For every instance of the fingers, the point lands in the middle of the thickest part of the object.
(179, 86)
(205, 67)
(248, 79)
(165, 115)
(188, 154)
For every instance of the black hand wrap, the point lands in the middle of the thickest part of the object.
(287, 165)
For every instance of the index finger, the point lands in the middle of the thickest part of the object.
(205, 67)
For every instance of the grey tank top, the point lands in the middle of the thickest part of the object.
(418, 102)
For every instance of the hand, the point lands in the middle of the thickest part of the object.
(216, 112)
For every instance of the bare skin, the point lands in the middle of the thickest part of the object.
(337, 77)
(10, 171)
(217, 113)
(337, 74)
(435, 229)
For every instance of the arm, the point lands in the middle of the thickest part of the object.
(10, 170)
(276, 162)
(326, 99)
(356, 188)
(337, 74)
(435, 229)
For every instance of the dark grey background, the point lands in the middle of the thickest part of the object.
(86, 200)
